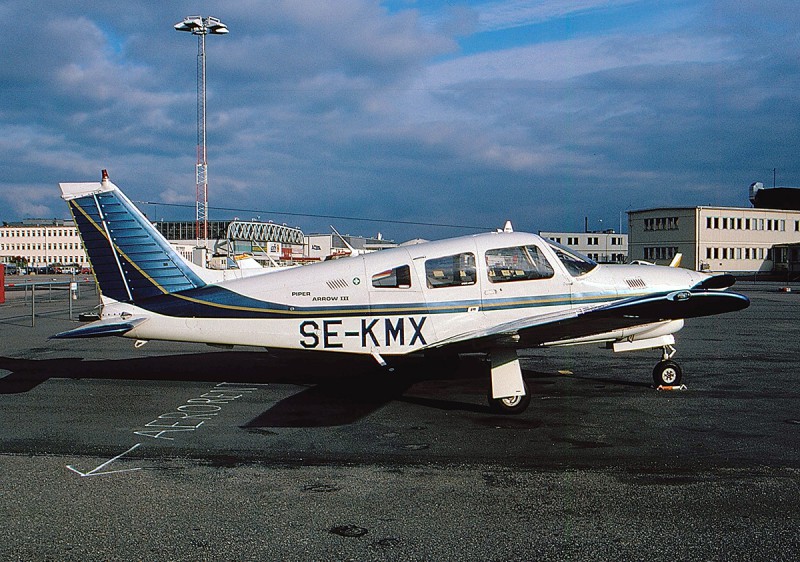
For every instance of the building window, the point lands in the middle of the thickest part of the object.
(660, 252)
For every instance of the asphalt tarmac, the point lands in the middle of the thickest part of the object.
(186, 452)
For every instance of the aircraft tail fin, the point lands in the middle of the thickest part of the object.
(130, 258)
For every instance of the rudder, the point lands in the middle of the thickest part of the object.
(131, 260)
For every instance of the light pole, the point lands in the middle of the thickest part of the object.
(197, 25)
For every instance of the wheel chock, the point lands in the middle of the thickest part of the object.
(663, 387)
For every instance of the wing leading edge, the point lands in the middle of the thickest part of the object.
(581, 322)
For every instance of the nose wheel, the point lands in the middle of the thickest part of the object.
(667, 372)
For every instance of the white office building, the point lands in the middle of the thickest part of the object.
(42, 243)
(717, 239)
(603, 247)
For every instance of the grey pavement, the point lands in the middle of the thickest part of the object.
(186, 452)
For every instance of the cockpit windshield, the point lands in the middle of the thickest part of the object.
(576, 263)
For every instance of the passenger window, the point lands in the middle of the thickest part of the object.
(397, 278)
(520, 263)
(450, 271)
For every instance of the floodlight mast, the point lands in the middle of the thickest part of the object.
(197, 25)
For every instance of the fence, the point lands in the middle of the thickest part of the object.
(38, 298)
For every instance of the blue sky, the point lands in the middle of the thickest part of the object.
(457, 113)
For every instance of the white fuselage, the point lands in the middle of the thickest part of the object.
(400, 300)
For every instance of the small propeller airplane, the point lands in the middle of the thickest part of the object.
(492, 293)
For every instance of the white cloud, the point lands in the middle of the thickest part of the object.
(568, 59)
(350, 109)
(507, 14)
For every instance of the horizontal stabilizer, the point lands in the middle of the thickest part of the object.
(101, 328)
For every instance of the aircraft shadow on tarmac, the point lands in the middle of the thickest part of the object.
(341, 389)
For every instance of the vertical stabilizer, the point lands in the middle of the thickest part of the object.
(131, 260)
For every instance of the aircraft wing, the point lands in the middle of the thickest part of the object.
(586, 321)
(101, 328)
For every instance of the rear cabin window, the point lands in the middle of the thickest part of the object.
(450, 271)
(396, 278)
(520, 263)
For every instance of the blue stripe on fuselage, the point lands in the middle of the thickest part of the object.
(213, 301)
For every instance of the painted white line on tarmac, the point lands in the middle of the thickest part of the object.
(99, 470)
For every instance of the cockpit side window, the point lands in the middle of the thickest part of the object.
(396, 278)
(520, 263)
(575, 262)
(450, 271)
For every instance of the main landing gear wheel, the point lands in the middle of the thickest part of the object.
(510, 405)
(667, 373)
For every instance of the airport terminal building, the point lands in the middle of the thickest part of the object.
(48, 244)
(717, 239)
(39, 243)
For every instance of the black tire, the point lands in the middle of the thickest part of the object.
(667, 373)
(510, 406)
